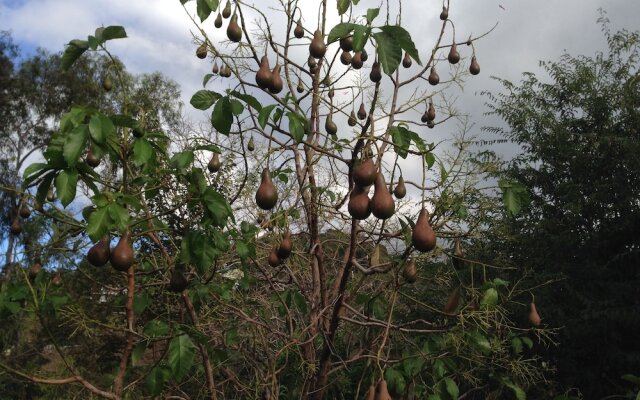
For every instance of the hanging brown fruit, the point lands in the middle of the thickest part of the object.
(382, 392)
(356, 60)
(201, 51)
(359, 205)
(431, 112)
(276, 80)
(273, 258)
(382, 204)
(345, 58)
(406, 61)
(226, 12)
(57, 279)
(214, 164)
(99, 254)
(371, 394)
(24, 211)
(410, 272)
(266, 195)
(91, 158)
(215, 69)
(423, 236)
(400, 190)
(250, 145)
(445, 13)
(286, 245)
(364, 173)
(234, 31)
(434, 78)
(311, 62)
(107, 84)
(425, 117)
(332, 93)
(35, 269)
(178, 282)
(16, 226)
(330, 126)
(218, 22)
(352, 119)
(298, 31)
(362, 113)
(264, 75)
(317, 48)
(375, 75)
(364, 56)
(430, 124)
(458, 254)
(474, 67)
(452, 302)
(454, 55)
(122, 254)
(346, 43)
(534, 317)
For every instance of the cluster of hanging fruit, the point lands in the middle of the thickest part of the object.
(268, 79)
(121, 256)
(282, 251)
(224, 71)
(379, 392)
(16, 224)
(234, 31)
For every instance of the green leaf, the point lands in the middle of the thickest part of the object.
(222, 116)
(181, 354)
(517, 390)
(529, 343)
(182, 160)
(155, 328)
(403, 38)
(140, 303)
(401, 140)
(74, 144)
(396, 380)
(339, 31)
(343, 6)
(490, 298)
(213, 4)
(250, 100)
(99, 223)
(138, 353)
(203, 9)
(296, 126)
(216, 204)
(66, 183)
(430, 159)
(114, 32)
(119, 216)
(360, 37)
(142, 151)
(44, 186)
(74, 50)
(514, 196)
(35, 167)
(263, 115)
(100, 128)
(516, 345)
(236, 107)
(156, 379)
(206, 79)
(389, 51)
(203, 99)
(372, 13)
(452, 388)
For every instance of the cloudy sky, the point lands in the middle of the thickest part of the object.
(160, 33)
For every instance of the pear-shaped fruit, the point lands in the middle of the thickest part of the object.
(352, 119)
(330, 126)
(138, 132)
(50, 195)
(458, 254)
(276, 80)
(359, 205)
(215, 69)
(99, 254)
(345, 58)
(452, 302)
(400, 190)
(234, 31)
(311, 62)
(382, 204)
(445, 13)
(250, 145)
(57, 279)
(34, 270)
(266, 195)
(298, 31)
(431, 112)
(226, 12)
(218, 22)
(214, 164)
(371, 394)
(423, 236)
(364, 56)
(201, 51)
(16, 226)
(382, 392)
(317, 48)
(410, 272)
(375, 75)
(107, 83)
(286, 245)
(24, 211)
(346, 43)
(406, 61)
(356, 61)
(430, 124)
(273, 258)
(122, 254)
(474, 67)
(534, 317)
(362, 112)
(91, 158)
(364, 173)
(454, 55)
(434, 78)
(425, 117)
(264, 76)
(332, 93)
(178, 282)
(300, 87)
